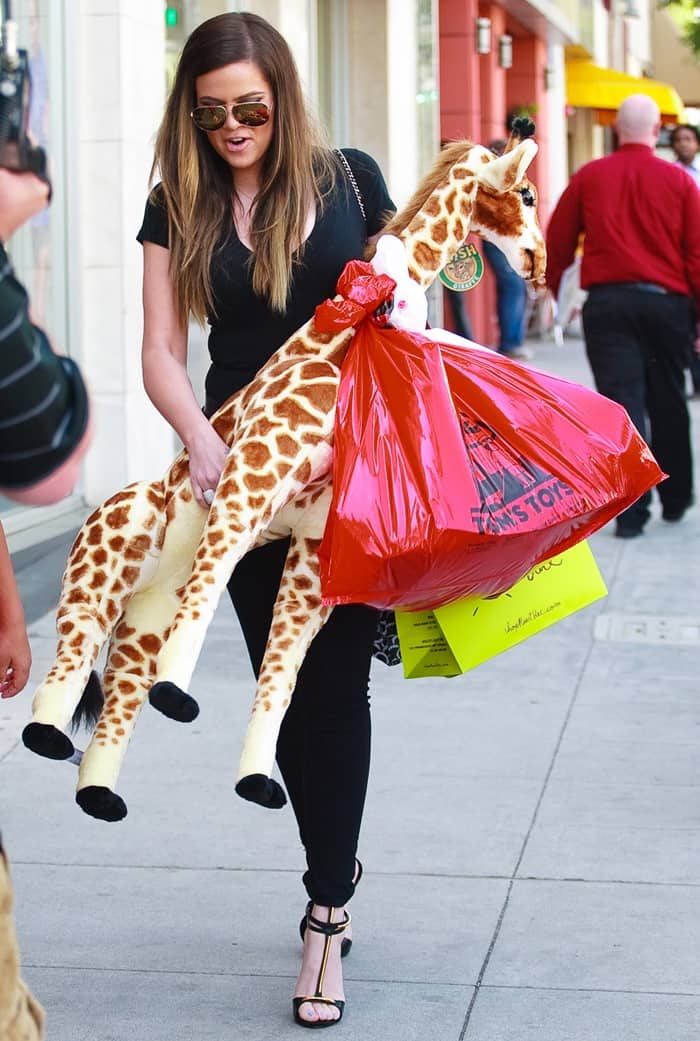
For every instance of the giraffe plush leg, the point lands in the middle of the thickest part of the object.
(115, 550)
(131, 663)
(298, 616)
(235, 522)
(58, 696)
(125, 694)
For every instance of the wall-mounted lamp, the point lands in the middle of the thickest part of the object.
(483, 36)
(505, 51)
(550, 77)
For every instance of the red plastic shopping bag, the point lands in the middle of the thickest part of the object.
(457, 470)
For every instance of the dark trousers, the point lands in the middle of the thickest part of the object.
(324, 742)
(511, 299)
(637, 343)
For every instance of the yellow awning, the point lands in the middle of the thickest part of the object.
(591, 86)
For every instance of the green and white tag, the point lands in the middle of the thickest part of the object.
(464, 271)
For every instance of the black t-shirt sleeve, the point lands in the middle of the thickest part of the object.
(155, 220)
(375, 194)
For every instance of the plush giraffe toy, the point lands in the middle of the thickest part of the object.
(148, 567)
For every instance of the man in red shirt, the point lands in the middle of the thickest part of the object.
(640, 216)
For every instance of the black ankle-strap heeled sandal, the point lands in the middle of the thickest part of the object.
(346, 942)
(329, 929)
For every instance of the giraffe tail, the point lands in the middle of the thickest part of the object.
(89, 708)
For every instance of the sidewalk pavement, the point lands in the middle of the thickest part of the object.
(531, 841)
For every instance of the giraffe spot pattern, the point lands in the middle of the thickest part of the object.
(315, 336)
(321, 395)
(440, 232)
(95, 535)
(117, 518)
(427, 260)
(229, 489)
(500, 213)
(76, 596)
(150, 643)
(255, 482)
(155, 498)
(286, 445)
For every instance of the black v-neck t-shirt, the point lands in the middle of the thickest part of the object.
(245, 332)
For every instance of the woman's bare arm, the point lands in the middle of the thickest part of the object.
(164, 360)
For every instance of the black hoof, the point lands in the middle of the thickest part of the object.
(102, 803)
(47, 740)
(263, 790)
(173, 702)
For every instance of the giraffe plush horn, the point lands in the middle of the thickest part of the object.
(522, 129)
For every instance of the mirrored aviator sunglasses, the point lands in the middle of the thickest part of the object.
(248, 114)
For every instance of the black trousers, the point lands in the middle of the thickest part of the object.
(637, 346)
(324, 742)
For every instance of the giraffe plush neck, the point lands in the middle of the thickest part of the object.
(146, 571)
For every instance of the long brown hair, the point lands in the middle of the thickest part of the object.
(197, 186)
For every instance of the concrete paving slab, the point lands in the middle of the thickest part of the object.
(608, 755)
(244, 922)
(460, 826)
(599, 936)
(629, 833)
(546, 1015)
(457, 728)
(637, 719)
(626, 673)
(150, 1006)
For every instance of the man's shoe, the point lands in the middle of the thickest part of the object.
(624, 532)
(675, 513)
(672, 515)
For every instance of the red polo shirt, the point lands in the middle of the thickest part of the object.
(641, 219)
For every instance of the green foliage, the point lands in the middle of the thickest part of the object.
(687, 15)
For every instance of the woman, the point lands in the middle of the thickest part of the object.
(249, 229)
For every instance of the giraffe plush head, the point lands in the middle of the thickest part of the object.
(147, 569)
(472, 190)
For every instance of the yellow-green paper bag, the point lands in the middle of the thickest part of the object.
(456, 638)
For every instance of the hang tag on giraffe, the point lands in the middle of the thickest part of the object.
(464, 271)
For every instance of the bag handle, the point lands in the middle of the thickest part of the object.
(353, 182)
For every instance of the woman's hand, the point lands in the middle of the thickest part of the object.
(15, 658)
(207, 454)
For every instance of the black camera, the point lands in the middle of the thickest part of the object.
(17, 152)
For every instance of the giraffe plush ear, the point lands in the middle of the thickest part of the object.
(507, 170)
